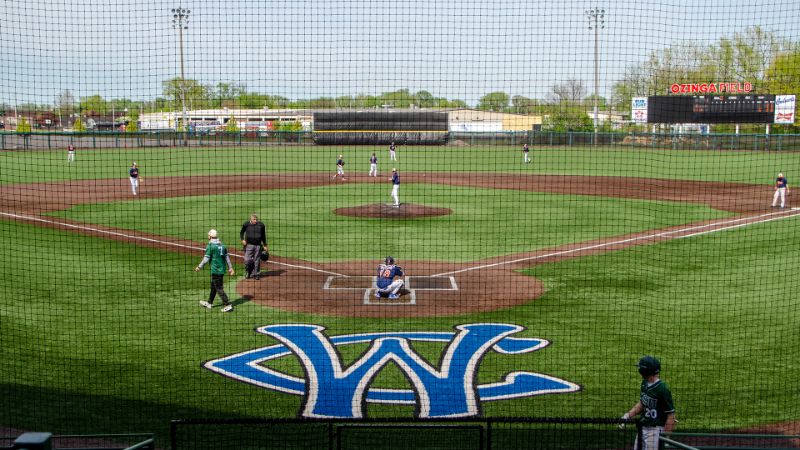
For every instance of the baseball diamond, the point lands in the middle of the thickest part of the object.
(483, 286)
(399, 225)
(574, 263)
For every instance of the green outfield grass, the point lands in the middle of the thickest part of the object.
(484, 223)
(104, 336)
(109, 337)
(732, 166)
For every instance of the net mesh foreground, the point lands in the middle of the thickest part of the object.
(547, 240)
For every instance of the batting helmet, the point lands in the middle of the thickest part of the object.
(649, 365)
(264, 256)
(389, 260)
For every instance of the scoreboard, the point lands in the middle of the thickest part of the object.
(734, 109)
(711, 109)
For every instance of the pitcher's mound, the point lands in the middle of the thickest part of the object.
(384, 211)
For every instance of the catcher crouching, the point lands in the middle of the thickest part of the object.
(386, 284)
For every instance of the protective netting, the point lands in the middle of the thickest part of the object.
(511, 159)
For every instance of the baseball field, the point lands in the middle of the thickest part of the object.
(607, 254)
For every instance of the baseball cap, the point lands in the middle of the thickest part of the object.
(212, 233)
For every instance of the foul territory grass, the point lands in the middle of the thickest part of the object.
(108, 337)
(91, 164)
(485, 222)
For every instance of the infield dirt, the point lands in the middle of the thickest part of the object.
(295, 285)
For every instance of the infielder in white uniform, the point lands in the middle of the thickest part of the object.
(373, 166)
(133, 173)
(781, 189)
(396, 188)
(340, 168)
(392, 154)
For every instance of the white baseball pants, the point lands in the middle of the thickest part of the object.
(779, 193)
(650, 438)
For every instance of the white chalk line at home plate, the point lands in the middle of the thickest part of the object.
(147, 239)
(708, 228)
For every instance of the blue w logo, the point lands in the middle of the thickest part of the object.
(333, 390)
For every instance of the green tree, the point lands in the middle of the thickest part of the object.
(133, 123)
(494, 101)
(568, 118)
(589, 101)
(78, 125)
(424, 99)
(178, 90)
(95, 104)
(23, 126)
(523, 105)
(322, 103)
(226, 95)
(401, 98)
(783, 76)
(232, 126)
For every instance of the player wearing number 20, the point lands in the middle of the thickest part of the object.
(655, 405)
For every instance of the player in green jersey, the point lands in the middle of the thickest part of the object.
(655, 405)
(217, 254)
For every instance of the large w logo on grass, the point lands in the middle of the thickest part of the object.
(333, 390)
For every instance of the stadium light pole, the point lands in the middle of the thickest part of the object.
(596, 19)
(180, 21)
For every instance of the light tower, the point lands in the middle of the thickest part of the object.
(180, 21)
(597, 22)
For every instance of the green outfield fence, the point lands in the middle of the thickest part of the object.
(540, 139)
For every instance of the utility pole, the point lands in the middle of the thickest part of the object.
(596, 18)
(180, 21)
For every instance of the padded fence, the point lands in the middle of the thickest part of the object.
(357, 127)
(523, 244)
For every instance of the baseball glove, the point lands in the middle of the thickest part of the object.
(264, 256)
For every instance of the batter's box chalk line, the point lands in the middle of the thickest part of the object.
(412, 285)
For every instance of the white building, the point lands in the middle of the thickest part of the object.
(216, 119)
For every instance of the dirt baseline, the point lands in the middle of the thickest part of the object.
(299, 286)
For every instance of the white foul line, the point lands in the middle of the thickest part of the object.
(146, 239)
(665, 234)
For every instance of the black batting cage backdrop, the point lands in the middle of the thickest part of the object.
(380, 127)
(553, 218)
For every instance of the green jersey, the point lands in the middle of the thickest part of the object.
(657, 402)
(217, 255)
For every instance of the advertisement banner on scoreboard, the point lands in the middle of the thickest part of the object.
(639, 109)
(785, 109)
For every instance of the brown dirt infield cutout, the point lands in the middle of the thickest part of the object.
(486, 285)
(384, 211)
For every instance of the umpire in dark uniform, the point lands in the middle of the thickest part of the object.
(254, 237)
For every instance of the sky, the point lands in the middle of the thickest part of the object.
(306, 49)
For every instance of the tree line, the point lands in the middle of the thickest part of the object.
(770, 63)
